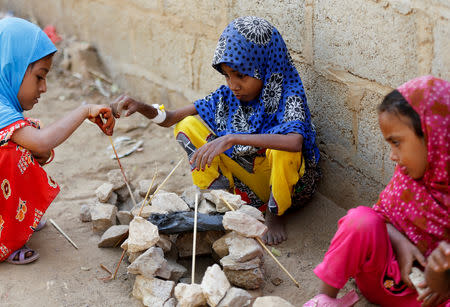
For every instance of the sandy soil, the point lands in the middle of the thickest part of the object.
(64, 276)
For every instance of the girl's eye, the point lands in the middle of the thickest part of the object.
(40, 78)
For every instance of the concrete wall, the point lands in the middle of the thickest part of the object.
(349, 53)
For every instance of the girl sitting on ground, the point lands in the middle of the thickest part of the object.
(26, 190)
(259, 141)
(378, 246)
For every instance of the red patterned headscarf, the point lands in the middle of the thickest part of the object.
(420, 208)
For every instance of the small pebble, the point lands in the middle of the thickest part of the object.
(276, 281)
(84, 268)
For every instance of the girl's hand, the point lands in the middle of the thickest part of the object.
(406, 253)
(430, 298)
(205, 154)
(98, 113)
(42, 158)
(124, 102)
(437, 271)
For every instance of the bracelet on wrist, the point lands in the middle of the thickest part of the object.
(161, 116)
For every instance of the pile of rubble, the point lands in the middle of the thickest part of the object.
(153, 256)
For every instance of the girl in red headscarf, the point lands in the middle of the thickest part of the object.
(379, 246)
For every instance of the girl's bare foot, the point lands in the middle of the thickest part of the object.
(276, 233)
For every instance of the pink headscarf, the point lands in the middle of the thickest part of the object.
(420, 208)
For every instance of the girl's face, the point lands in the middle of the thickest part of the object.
(244, 87)
(34, 83)
(408, 150)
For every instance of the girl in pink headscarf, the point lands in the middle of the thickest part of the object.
(410, 222)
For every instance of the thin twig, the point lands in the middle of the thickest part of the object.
(148, 191)
(267, 250)
(100, 76)
(194, 242)
(118, 264)
(63, 233)
(121, 169)
(105, 268)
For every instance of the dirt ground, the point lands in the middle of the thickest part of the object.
(64, 276)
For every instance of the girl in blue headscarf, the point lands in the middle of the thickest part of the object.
(258, 141)
(26, 190)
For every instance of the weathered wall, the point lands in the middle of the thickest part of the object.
(349, 53)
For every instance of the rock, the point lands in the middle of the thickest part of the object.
(206, 207)
(270, 301)
(216, 196)
(152, 291)
(85, 213)
(142, 235)
(113, 236)
(113, 199)
(252, 211)
(189, 295)
(104, 191)
(214, 284)
(103, 216)
(148, 263)
(204, 243)
(229, 263)
(143, 187)
(236, 297)
(166, 202)
(83, 57)
(189, 196)
(137, 197)
(171, 302)
(177, 271)
(276, 281)
(242, 249)
(124, 217)
(123, 193)
(115, 177)
(146, 210)
(220, 246)
(243, 224)
(132, 256)
(164, 242)
(247, 279)
(124, 245)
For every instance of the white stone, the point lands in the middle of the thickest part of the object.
(103, 216)
(252, 211)
(104, 191)
(236, 297)
(85, 213)
(167, 202)
(189, 295)
(243, 224)
(417, 277)
(177, 271)
(148, 263)
(146, 210)
(270, 301)
(152, 291)
(228, 262)
(248, 279)
(132, 256)
(164, 242)
(113, 236)
(206, 207)
(214, 284)
(216, 197)
(171, 302)
(189, 196)
(143, 235)
(242, 249)
(113, 199)
(124, 217)
(115, 177)
(123, 193)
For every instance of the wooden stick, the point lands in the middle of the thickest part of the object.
(148, 191)
(121, 169)
(118, 264)
(194, 239)
(266, 249)
(63, 233)
(164, 181)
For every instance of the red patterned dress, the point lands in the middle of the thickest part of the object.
(26, 191)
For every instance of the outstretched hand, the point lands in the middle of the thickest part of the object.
(98, 113)
(204, 155)
(407, 253)
(124, 102)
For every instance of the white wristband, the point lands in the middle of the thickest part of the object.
(161, 116)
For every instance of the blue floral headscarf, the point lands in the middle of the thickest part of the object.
(21, 43)
(252, 46)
